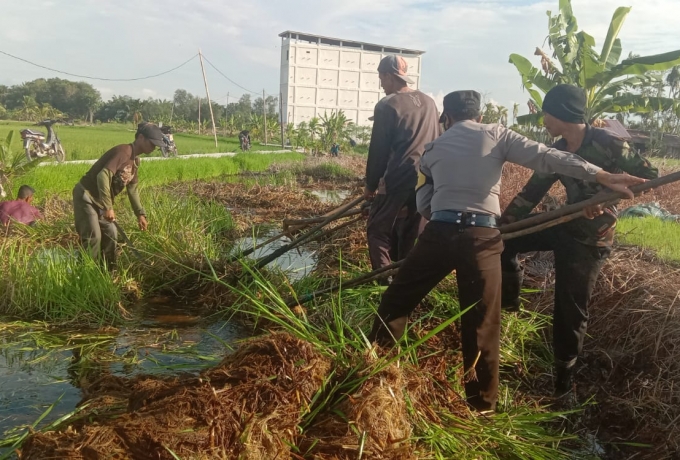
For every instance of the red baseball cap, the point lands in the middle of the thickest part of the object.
(395, 65)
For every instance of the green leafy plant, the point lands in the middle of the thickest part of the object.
(610, 86)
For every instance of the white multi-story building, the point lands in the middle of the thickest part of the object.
(321, 75)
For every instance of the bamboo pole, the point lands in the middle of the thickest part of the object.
(308, 235)
(207, 93)
(535, 224)
(597, 199)
(326, 232)
(315, 220)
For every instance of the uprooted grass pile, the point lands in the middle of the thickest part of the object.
(247, 407)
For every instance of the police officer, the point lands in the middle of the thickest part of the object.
(580, 246)
(458, 192)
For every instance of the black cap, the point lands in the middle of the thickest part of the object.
(152, 132)
(462, 103)
(566, 103)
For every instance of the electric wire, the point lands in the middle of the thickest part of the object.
(99, 78)
(232, 81)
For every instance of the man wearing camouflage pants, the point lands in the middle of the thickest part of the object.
(581, 246)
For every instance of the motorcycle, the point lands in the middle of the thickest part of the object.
(36, 146)
(170, 149)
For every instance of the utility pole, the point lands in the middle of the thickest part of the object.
(226, 114)
(283, 145)
(199, 116)
(264, 113)
(207, 93)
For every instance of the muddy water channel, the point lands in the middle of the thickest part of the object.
(39, 367)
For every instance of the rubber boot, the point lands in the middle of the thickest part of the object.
(511, 287)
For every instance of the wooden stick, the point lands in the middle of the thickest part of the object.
(249, 251)
(308, 235)
(598, 199)
(315, 220)
(551, 223)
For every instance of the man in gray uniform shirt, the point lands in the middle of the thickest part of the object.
(458, 190)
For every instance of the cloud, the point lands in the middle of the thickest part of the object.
(467, 42)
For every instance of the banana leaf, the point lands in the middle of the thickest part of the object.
(610, 44)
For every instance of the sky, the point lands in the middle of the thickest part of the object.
(467, 43)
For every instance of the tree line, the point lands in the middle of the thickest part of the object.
(60, 98)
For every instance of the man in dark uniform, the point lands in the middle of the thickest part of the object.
(404, 121)
(458, 191)
(580, 246)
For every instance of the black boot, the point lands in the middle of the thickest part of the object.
(511, 286)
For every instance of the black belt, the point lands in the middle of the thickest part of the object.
(465, 219)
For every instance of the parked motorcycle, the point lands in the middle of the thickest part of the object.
(170, 149)
(36, 146)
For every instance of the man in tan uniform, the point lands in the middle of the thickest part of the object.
(93, 196)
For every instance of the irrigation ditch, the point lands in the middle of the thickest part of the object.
(183, 355)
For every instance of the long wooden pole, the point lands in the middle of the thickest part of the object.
(264, 116)
(207, 94)
(308, 235)
(597, 199)
(536, 224)
(199, 116)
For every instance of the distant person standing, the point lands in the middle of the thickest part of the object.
(20, 210)
(244, 138)
(335, 150)
(94, 195)
(403, 122)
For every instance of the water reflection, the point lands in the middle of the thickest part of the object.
(296, 263)
(38, 366)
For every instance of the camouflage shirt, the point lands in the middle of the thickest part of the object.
(604, 149)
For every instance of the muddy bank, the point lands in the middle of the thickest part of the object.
(248, 407)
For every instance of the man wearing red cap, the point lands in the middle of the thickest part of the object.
(404, 121)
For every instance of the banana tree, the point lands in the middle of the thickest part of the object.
(610, 86)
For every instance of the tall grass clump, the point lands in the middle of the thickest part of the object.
(58, 284)
(183, 233)
(404, 403)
